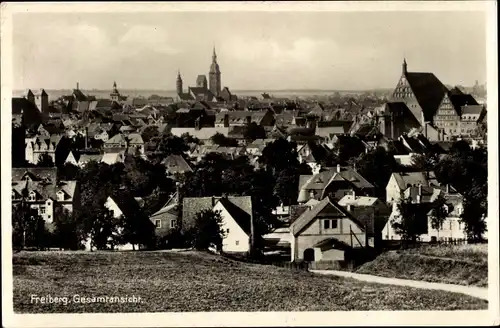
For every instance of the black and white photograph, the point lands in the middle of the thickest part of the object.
(255, 160)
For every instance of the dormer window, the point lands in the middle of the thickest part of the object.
(60, 196)
(32, 196)
(13, 194)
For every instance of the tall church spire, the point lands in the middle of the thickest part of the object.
(405, 67)
(178, 83)
(214, 75)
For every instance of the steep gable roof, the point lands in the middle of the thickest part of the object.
(326, 204)
(429, 92)
(240, 209)
(176, 164)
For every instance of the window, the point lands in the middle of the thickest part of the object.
(330, 224)
(32, 196)
(42, 209)
(158, 223)
(227, 230)
(173, 223)
(60, 196)
(450, 224)
(237, 242)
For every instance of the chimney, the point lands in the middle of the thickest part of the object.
(86, 137)
(197, 124)
(448, 188)
(393, 118)
(226, 120)
(338, 168)
(349, 208)
(354, 194)
(419, 195)
(77, 86)
(177, 192)
(249, 119)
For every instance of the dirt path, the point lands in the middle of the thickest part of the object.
(479, 292)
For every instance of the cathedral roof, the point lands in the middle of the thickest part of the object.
(428, 90)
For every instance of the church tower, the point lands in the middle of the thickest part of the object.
(405, 67)
(214, 76)
(178, 83)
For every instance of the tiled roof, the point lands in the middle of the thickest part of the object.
(240, 116)
(357, 200)
(328, 132)
(79, 96)
(201, 93)
(472, 110)
(185, 96)
(240, 209)
(428, 91)
(193, 205)
(405, 179)
(202, 134)
(309, 215)
(111, 158)
(85, 158)
(35, 173)
(321, 180)
(135, 138)
(118, 138)
(459, 100)
(427, 195)
(176, 164)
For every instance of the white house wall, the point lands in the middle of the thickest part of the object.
(236, 240)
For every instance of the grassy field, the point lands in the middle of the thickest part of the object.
(194, 281)
(461, 265)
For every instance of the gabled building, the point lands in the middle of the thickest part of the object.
(326, 232)
(237, 215)
(40, 188)
(400, 181)
(334, 182)
(35, 147)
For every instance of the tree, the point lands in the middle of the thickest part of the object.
(149, 133)
(411, 221)
(439, 213)
(101, 227)
(69, 172)
(134, 227)
(25, 224)
(189, 139)
(223, 141)
(207, 231)
(425, 162)
(280, 159)
(68, 231)
(45, 160)
(473, 218)
(254, 131)
(377, 167)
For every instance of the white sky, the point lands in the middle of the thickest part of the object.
(256, 50)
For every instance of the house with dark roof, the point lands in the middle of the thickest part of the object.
(36, 146)
(422, 199)
(400, 181)
(371, 211)
(27, 110)
(40, 188)
(423, 93)
(326, 232)
(236, 213)
(176, 164)
(242, 118)
(395, 119)
(334, 182)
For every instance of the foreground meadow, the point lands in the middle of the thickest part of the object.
(193, 281)
(461, 265)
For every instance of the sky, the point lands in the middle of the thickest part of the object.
(256, 50)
